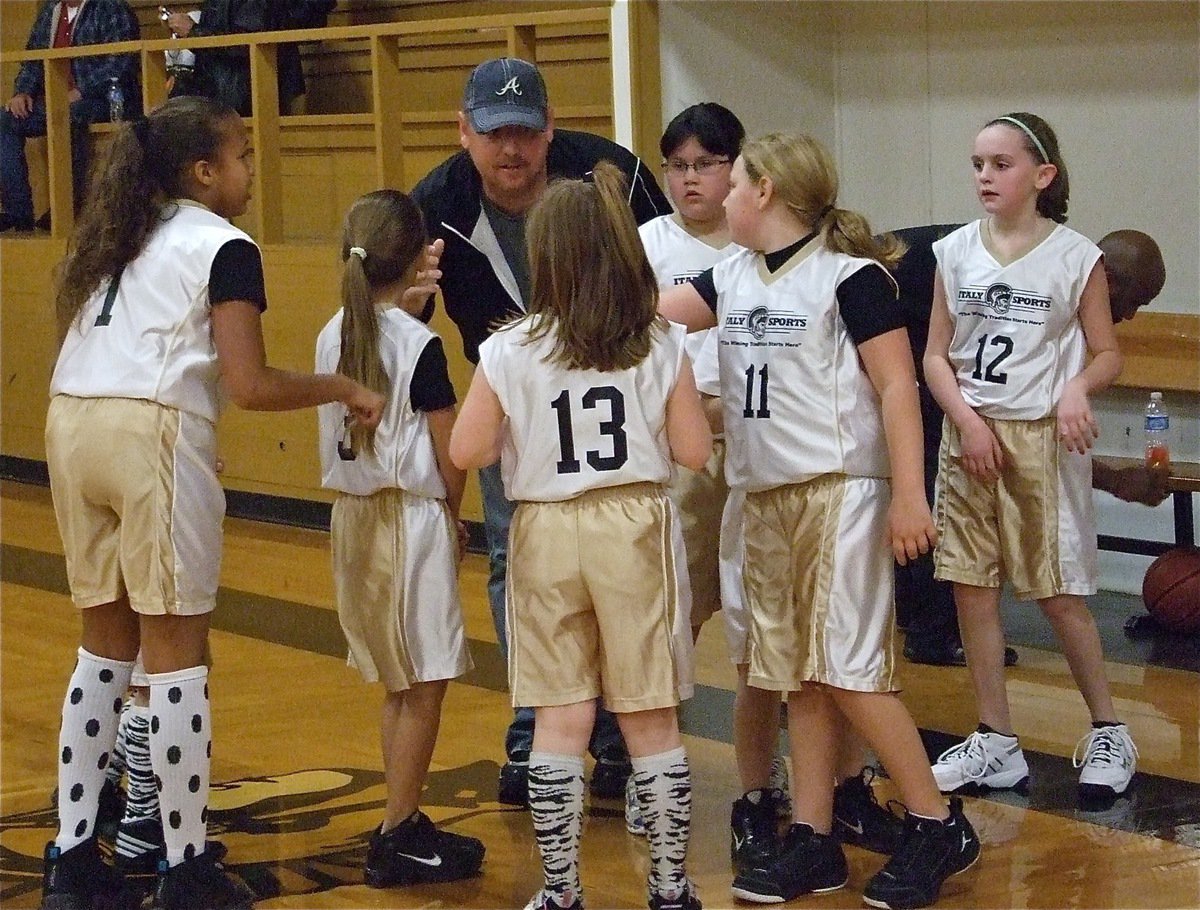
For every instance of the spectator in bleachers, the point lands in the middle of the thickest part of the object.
(66, 24)
(223, 73)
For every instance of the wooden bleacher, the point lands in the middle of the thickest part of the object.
(385, 83)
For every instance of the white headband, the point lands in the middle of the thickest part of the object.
(1028, 132)
(359, 252)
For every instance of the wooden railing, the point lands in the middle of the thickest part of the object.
(388, 44)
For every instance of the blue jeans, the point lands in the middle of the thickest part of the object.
(14, 169)
(497, 516)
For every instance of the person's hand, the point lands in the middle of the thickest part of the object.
(74, 94)
(220, 465)
(1077, 428)
(912, 529)
(365, 406)
(981, 453)
(21, 105)
(180, 24)
(425, 281)
(1142, 484)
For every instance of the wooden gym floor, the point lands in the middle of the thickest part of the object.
(297, 781)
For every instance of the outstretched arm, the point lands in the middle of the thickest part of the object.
(477, 437)
(1136, 483)
(688, 434)
(683, 304)
(255, 386)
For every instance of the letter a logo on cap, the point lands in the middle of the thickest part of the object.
(510, 86)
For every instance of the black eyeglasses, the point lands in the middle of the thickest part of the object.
(702, 166)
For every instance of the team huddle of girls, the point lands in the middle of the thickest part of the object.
(602, 411)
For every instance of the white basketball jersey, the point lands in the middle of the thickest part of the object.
(569, 431)
(153, 340)
(796, 400)
(677, 257)
(1017, 335)
(404, 456)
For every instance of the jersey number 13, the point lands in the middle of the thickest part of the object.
(614, 428)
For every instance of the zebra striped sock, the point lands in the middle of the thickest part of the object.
(116, 762)
(134, 839)
(664, 788)
(556, 804)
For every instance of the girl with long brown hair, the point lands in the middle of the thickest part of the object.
(586, 401)
(395, 553)
(159, 311)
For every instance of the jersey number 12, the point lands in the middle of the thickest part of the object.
(992, 373)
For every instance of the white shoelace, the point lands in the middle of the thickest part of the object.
(971, 754)
(1105, 746)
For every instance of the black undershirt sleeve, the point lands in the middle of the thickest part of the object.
(237, 274)
(706, 288)
(867, 304)
(430, 389)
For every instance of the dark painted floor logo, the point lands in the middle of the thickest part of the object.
(253, 815)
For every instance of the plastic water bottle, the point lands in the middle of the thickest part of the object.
(1158, 425)
(116, 100)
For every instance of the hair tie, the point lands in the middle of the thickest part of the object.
(1028, 132)
(359, 252)
(825, 211)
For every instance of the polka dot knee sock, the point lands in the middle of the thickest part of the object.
(180, 751)
(91, 712)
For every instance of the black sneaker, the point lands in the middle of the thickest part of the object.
(199, 883)
(140, 846)
(807, 863)
(415, 852)
(543, 900)
(754, 828)
(513, 788)
(609, 776)
(932, 851)
(79, 878)
(858, 818)
(684, 900)
(947, 654)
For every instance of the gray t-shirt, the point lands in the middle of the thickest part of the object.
(510, 232)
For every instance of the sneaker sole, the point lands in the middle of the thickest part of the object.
(1100, 792)
(756, 898)
(381, 880)
(884, 905)
(1005, 781)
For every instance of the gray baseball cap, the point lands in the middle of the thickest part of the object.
(505, 92)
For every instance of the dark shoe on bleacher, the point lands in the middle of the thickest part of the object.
(948, 654)
(9, 223)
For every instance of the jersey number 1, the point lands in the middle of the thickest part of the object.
(613, 427)
(105, 316)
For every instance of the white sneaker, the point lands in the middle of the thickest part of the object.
(986, 759)
(634, 823)
(779, 781)
(1109, 760)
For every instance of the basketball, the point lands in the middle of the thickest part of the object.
(1171, 589)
